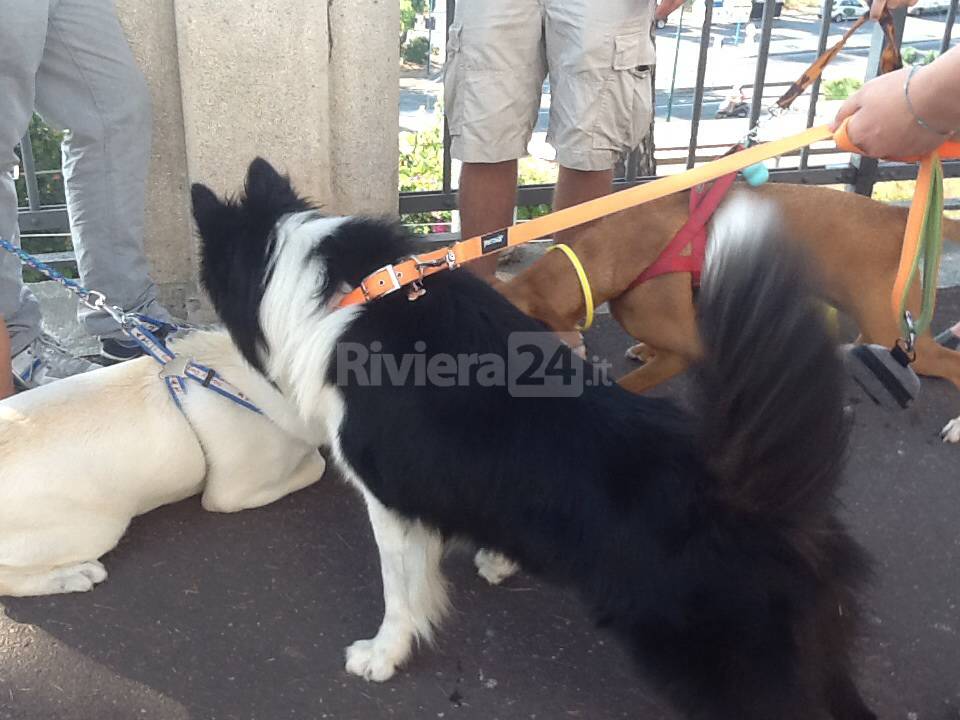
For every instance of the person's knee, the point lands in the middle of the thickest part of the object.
(127, 112)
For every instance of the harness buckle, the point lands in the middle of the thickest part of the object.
(176, 368)
(391, 272)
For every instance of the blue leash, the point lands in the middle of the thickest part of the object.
(147, 332)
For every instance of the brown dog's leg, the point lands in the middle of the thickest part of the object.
(934, 360)
(660, 313)
(660, 368)
(877, 325)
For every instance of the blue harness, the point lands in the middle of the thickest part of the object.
(148, 333)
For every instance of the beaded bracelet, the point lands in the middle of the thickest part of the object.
(919, 120)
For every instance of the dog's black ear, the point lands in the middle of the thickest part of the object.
(208, 211)
(268, 190)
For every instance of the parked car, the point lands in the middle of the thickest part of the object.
(847, 10)
(929, 7)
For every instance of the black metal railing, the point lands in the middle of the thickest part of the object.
(859, 174)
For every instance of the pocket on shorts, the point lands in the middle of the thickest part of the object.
(625, 102)
(453, 81)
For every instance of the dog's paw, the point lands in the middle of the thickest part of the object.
(372, 660)
(494, 567)
(77, 578)
(640, 353)
(951, 431)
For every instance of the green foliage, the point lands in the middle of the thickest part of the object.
(421, 170)
(46, 156)
(409, 9)
(841, 89)
(416, 51)
(912, 56)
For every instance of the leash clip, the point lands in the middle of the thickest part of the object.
(911, 333)
(449, 259)
(415, 291)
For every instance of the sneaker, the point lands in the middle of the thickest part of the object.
(45, 360)
(115, 350)
(948, 339)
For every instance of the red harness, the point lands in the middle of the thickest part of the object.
(685, 253)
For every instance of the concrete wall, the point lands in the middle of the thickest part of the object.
(152, 34)
(311, 86)
(364, 101)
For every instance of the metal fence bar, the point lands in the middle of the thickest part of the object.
(948, 29)
(763, 50)
(701, 75)
(29, 172)
(447, 162)
(865, 167)
(825, 21)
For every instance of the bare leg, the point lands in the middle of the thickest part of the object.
(488, 195)
(414, 593)
(575, 187)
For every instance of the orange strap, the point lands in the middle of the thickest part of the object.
(409, 271)
(912, 234)
(950, 150)
(890, 59)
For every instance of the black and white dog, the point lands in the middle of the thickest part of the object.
(710, 544)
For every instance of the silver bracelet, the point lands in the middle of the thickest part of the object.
(919, 120)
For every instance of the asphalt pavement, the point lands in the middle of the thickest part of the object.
(245, 616)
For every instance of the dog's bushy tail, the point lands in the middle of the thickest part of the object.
(770, 383)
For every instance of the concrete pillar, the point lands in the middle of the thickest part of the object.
(364, 102)
(254, 77)
(313, 87)
(169, 233)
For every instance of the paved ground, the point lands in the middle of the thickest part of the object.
(245, 616)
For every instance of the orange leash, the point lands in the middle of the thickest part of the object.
(916, 233)
(410, 271)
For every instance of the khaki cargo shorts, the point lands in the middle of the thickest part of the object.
(599, 55)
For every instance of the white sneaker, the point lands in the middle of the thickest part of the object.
(45, 360)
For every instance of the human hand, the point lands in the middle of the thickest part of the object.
(877, 6)
(665, 7)
(881, 123)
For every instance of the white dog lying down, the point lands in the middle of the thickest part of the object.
(81, 457)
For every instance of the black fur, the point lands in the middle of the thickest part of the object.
(711, 547)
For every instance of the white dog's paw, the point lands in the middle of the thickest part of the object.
(77, 578)
(951, 431)
(374, 659)
(494, 567)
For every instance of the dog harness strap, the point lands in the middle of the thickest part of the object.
(208, 378)
(584, 283)
(687, 250)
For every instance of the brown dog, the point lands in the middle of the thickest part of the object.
(854, 240)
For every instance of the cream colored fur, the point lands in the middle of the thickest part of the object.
(81, 457)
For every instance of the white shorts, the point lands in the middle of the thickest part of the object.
(599, 55)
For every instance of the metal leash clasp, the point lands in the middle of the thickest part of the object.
(416, 290)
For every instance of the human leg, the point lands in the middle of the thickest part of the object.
(88, 82)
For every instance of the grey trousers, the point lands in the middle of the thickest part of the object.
(70, 60)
